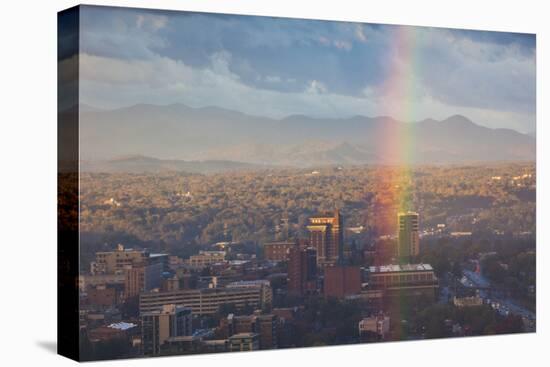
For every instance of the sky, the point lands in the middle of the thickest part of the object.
(278, 67)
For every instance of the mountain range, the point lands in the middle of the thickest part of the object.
(180, 137)
(140, 164)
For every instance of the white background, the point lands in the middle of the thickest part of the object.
(28, 181)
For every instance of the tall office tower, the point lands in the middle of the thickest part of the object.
(408, 242)
(326, 235)
(302, 270)
(159, 326)
(285, 222)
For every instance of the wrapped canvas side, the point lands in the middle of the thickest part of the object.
(67, 186)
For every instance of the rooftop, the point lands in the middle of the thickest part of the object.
(239, 262)
(168, 309)
(248, 283)
(292, 243)
(183, 338)
(122, 325)
(215, 342)
(394, 268)
(243, 335)
(409, 213)
(210, 253)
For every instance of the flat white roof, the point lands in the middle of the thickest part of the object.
(244, 283)
(122, 325)
(243, 335)
(393, 268)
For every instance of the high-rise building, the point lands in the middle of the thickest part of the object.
(342, 281)
(142, 278)
(326, 235)
(302, 270)
(408, 238)
(158, 326)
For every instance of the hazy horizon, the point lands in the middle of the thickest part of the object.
(179, 132)
(86, 107)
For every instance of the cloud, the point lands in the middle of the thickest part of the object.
(339, 44)
(277, 66)
(123, 33)
(152, 22)
(273, 79)
(316, 87)
(360, 33)
(129, 81)
(343, 45)
(466, 72)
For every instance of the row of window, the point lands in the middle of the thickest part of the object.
(402, 278)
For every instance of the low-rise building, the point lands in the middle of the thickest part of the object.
(244, 342)
(374, 327)
(266, 326)
(158, 326)
(102, 295)
(468, 301)
(175, 262)
(215, 345)
(403, 280)
(142, 278)
(262, 284)
(342, 281)
(202, 301)
(461, 234)
(119, 330)
(206, 258)
(278, 251)
(87, 281)
(95, 318)
(112, 262)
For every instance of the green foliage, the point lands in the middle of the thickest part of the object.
(436, 321)
(328, 322)
(514, 269)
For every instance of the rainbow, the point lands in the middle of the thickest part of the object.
(394, 177)
(399, 103)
